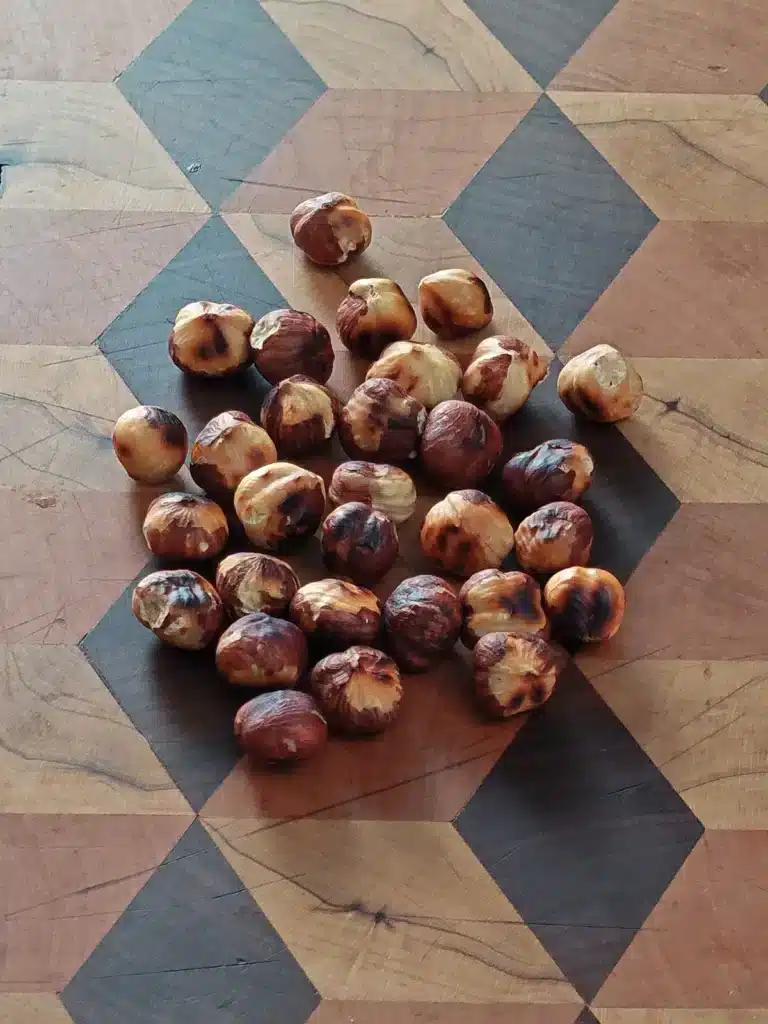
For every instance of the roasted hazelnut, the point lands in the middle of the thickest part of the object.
(300, 415)
(422, 619)
(558, 470)
(553, 537)
(249, 582)
(467, 532)
(279, 504)
(501, 376)
(336, 614)
(179, 606)
(374, 314)
(286, 342)
(330, 229)
(358, 691)
(460, 444)
(359, 542)
(388, 489)
(381, 423)
(211, 339)
(514, 672)
(601, 384)
(425, 372)
(285, 725)
(228, 448)
(150, 444)
(181, 525)
(454, 303)
(258, 650)
(501, 602)
(584, 605)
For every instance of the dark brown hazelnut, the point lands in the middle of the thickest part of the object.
(375, 313)
(279, 504)
(180, 607)
(286, 342)
(211, 339)
(454, 302)
(330, 229)
(358, 691)
(228, 448)
(553, 537)
(514, 672)
(336, 614)
(359, 542)
(388, 489)
(249, 582)
(150, 444)
(181, 525)
(584, 605)
(425, 372)
(467, 532)
(300, 415)
(422, 619)
(601, 384)
(259, 650)
(460, 444)
(381, 423)
(284, 725)
(557, 470)
(502, 374)
(501, 602)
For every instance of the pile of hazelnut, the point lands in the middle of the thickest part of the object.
(328, 654)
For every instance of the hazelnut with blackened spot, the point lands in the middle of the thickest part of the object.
(359, 542)
(211, 339)
(381, 423)
(228, 448)
(284, 725)
(300, 415)
(373, 315)
(336, 614)
(279, 504)
(584, 605)
(501, 602)
(180, 607)
(249, 582)
(359, 691)
(460, 444)
(514, 672)
(422, 619)
(467, 532)
(601, 384)
(150, 444)
(179, 525)
(501, 376)
(558, 470)
(387, 489)
(427, 373)
(330, 229)
(259, 650)
(553, 537)
(454, 302)
(286, 342)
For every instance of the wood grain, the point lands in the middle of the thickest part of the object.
(40, 1008)
(331, 1012)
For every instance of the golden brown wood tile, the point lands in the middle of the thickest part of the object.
(37, 1008)
(332, 1012)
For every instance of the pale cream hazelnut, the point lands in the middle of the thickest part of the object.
(227, 448)
(280, 503)
(554, 537)
(300, 415)
(454, 302)
(601, 384)
(425, 372)
(386, 489)
(467, 532)
(501, 602)
(380, 423)
(211, 339)
(374, 314)
(514, 673)
(179, 606)
(150, 444)
(501, 376)
(330, 229)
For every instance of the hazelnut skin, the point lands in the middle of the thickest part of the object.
(454, 302)
(514, 673)
(460, 444)
(179, 525)
(249, 582)
(279, 504)
(336, 613)
(284, 725)
(381, 423)
(150, 444)
(553, 537)
(584, 605)
(501, 376)
(425, 372)
(557, 470)
(300, 415)
(211, 339)
(228, 448)
(373, 315)
(501, 602)
(601, 384)
(286, 342)
(330, 229)
(258, 650)
(358, 542)
(180, 607)
(387, 489)
(358, 691)
(422, 619)
(467, 532)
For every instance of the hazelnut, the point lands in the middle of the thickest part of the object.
(388, 489)
(601, 384)
(150, 444)
(336, 613)
(558, 470)
(359, 542)
(553, 537)
(584, 605)
(460, 444)
(358, 691)
(228, 448)
(210, 339)
(330, 229)
(514, 673)
(181, 525)
(381, 423)
(179, 606)
(373, 315)
(286, 342)
(258, 650)
(422, 619)
(284, 725)
(454, 302)
(300, 415)
(467, 532)
(249, 582)
(280, 503)
(425, 372)
(501, 376)
(501, 602)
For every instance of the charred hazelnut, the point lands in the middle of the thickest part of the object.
(501, 602)
(211, 339)
(554, 537)
(381, 423)
(501, 376)
(422, 619)
(460, 444)
(150, 444)
(249, 582)
(373, 315)
(228, 448)
(185, 526)
(454, 303)
(358, 691)
(258, 650)
(336, 614)
(285, 725)
(330, 229)
(179, 606)
(584, 605)
(558, 470)
(359, 542)
(601, 384)
(279, 504)
(286, 342)
(514, 673)
(387, 489)
(467, 532)
(300, 415)
(425, 372)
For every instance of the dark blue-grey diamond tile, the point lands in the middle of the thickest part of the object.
(764, 94)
